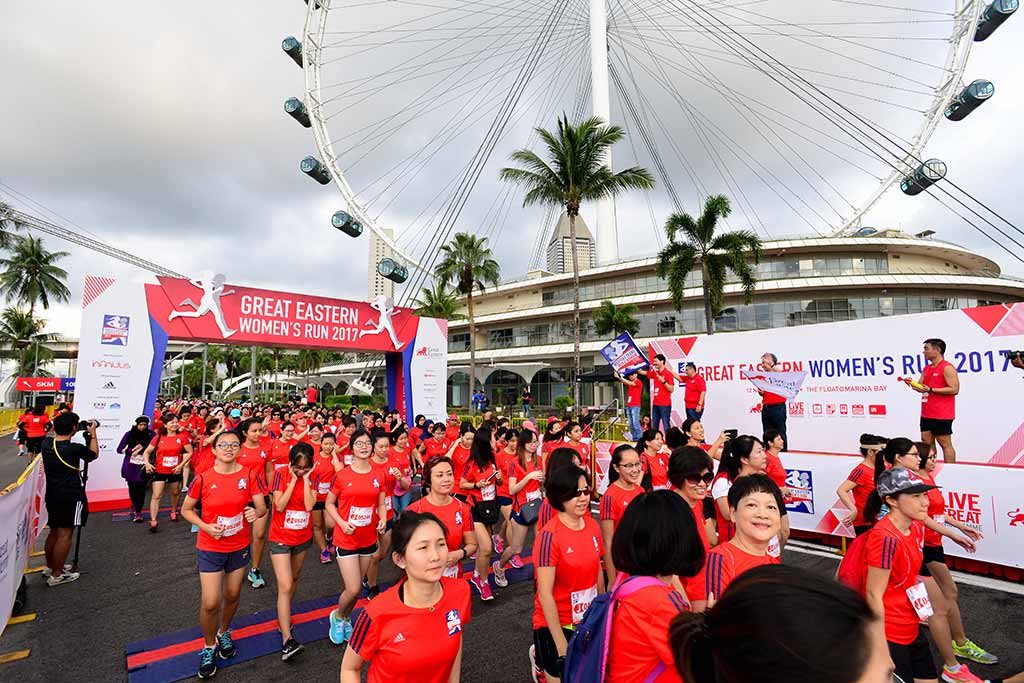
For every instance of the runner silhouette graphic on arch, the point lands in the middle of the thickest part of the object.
(387, 309)
(213, 289)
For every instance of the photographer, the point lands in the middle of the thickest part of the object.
(66, 504)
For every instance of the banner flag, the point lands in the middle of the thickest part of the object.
(785, 384)
(624, 355)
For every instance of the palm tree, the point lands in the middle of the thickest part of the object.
(310, 360)
(19, 333)
(713, 254)
(612, 319)
(575, 172)
(438, 302)
(31, 274)
(467, 263)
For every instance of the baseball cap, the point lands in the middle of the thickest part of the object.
(453, 417)
(235, 412)
(901, 480)
(528, 424)
(552, 418)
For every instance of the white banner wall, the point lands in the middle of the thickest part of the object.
(22, 515)
(428, 370)
(852, 382)
(984, 497)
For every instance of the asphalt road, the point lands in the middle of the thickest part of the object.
(136, 585)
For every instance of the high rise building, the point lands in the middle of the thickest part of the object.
(377, 284)
(559, 256)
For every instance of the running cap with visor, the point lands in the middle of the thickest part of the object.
(901, 480)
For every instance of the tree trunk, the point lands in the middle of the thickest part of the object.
(708, 318)
(575, 312)
(472, 347)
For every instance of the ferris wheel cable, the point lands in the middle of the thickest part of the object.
(852, 119)
(636, 162)
(39, 206)
(899, 9)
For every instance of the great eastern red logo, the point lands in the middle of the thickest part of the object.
(422, 352)
(1016, 517)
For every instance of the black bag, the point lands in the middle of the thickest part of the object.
(487, 512)
(531, 511)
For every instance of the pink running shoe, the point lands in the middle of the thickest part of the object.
(515, 562)
(482, 586)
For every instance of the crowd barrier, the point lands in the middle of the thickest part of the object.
(22, 515)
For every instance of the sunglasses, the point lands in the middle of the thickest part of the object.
(583, 492)
(707, 478)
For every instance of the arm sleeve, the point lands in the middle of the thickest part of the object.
(547, 555)
(124, 442)
(855, 475)
(717, 576)
(364, 636)
(196, 489)
(881, 548)
(467, 518)
(278, 480)
(606, 507)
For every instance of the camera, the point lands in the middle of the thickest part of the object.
(85, 424)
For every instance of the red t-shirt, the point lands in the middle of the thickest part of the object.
(937, 511)
(634, 393)
(323, 470)
(888, 548)
(401, 461)
(358, 497)
(937, 406)
(576, 557)
(863, 476)
(545, 514)
(503, 458)
(581, 448)
(274, 427)
(659, 393)
(725, 562)
(391, 636)
(279, 452)
(451, 434)
(775, 470)
(695, 586)
(388, 482)
(532, 490)
(640, 629)
(293, 526)
(615, 501)
(694, 387)
(460, 456)
(170, 451)
(473, 474)
(202, 456)
(657, 466)
(252, 458)
(720, 489)
(36, 426)
(223, 499)
(432, 447)
(457, 520)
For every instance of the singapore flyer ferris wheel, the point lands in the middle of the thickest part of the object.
(804, 112)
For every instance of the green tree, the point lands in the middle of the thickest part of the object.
(575, 172)
(467, 263)
(438, 302)
(20, 333)
(693, 244)
(31, 274)
(614, 320)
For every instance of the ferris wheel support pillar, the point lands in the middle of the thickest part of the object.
(605, 233)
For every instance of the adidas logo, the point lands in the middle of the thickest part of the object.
(568, 551)
(109, 386)
(399, 638)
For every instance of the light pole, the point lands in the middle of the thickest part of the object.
(605, 234)
(203, 391)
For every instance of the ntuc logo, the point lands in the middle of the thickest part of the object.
(111, 365)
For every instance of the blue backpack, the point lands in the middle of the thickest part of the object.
(586, 660)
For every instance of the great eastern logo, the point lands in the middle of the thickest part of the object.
(1016, 517)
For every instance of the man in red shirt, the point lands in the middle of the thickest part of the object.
(773, 406)
(634, 392)
(696, 392)
(663, 383)
(939, 384)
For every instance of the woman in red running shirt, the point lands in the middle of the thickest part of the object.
(356, 504)
(694, 432)
(568, 569)
(35, 423)
(554, 435)
(459, 451)
(690, 470)
(438, 483)
(165, 458)
(742, 456)
(480, 479)
(573, 435)
(254, 455)
(325, 465)
(506, 450)
(231, 498)
(525, 477)
(624, 474)
(859, 484)
(413, 630)
(390, 477)
(755, 505)
(654, 459)
(560, 457)
(401, 459)
(291, 530)
(655, 543)
(433, 443)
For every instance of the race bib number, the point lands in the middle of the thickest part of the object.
(487, 492)
(358, 517)
(451, 572)
(774, 550)
(137, 459)
(660, 487)
(323, 488)
(918, 595)
(581, 603)
(939, 519)
(296, 520)
(534, 495)
(169, 461)
(280, 465)
(387, 503)
(230, 525)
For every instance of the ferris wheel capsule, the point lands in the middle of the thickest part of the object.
(993, 16)
(347, 224)
(969, 99)
(312, 167)
(293, 48)
(294, 107)
(923, 177)
(393, 271)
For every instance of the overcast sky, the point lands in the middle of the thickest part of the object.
(159, 129)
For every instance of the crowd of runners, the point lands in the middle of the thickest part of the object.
(677, 576)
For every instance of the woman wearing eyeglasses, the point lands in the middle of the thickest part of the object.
(690, 471)
(568, 569)
(231, 498)
(624, 476)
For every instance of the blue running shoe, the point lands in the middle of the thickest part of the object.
(207, 662)
(225, 646)
(340, 630)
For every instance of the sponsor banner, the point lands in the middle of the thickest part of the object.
(45, 384)
(785, 384)
(427, 376)
(852, 382)
(22, 515)
(209, 310)
(983, 497)
(624, 355)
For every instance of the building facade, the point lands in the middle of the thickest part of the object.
(377, 284)
(559, 254)
(524, 328)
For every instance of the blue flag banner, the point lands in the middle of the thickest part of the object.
(624, 355)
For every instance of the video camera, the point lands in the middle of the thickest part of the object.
(83, 426)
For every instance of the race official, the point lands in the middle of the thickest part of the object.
(773, 406)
